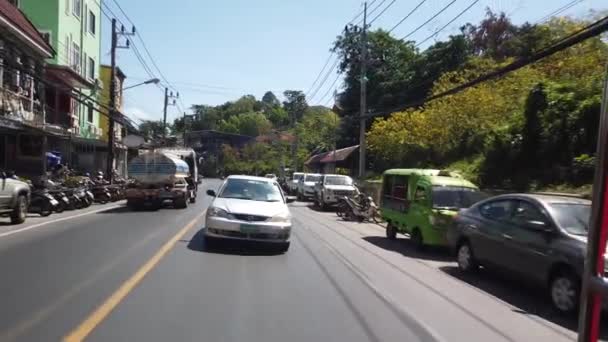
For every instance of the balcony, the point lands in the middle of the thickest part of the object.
(21, 108)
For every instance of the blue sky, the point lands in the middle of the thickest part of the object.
(216, 51)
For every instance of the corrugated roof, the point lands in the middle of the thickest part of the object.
(340, 155)
(14, 19)
(316, 158)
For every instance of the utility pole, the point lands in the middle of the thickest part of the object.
(363, 105)
(184, 129)
(112, 111)
(168, 96)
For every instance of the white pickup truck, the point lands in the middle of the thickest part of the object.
(331, 188)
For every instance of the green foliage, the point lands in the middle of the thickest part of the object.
(252, 124)
(151, 129)
(295, 104)
(318, 128)
(532, 128)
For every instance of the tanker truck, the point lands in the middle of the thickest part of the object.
(163, 175)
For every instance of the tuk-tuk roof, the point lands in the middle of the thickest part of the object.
(451, 181)
(407, 172)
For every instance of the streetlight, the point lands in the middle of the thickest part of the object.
(153, 80)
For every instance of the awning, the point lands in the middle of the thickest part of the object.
(316, 159)
(68, 76)
(338, 155)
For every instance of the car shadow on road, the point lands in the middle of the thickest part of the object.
(407, 248)
(228, 247)
(526, 298)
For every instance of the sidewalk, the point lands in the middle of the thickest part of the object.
(35, 220)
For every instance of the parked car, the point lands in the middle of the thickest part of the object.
(249, 208)
(539, 238)
(14, 198)
(306, 187)
(292, 185)
(423, 203)
(331, 188)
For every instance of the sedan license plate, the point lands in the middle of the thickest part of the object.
(249, 228)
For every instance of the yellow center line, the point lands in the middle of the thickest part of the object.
(95, 318)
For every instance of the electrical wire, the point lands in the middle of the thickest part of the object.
(560, 10)
(448, 24)
(407, 16)
(429, 20)
(324, 79)
(382, 12)
(320, 73)
(331, 87)
(360, 13)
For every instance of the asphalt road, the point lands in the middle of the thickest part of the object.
(116, 275)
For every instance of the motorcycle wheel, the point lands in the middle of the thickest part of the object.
(59, 208)
(46, 210)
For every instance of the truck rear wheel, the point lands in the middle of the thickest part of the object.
(181, 203)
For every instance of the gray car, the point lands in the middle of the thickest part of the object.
(540, 238)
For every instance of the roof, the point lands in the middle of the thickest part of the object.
(119, 72)
(68, 75)
(339, 155)
(451, 181)
(547, 199)
(12, 18)
(407, 172)
(264, 179)
(315, 158)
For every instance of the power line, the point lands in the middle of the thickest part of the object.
(407, 16)
(324, 79)
(360, 13)
(320, 73)
(382, 12)
(331, 87)
(370, 12)
(560, 10)
(448, 24)
(429, 20)
(593, 30)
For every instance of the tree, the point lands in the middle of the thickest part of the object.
(252, 124)
(318, 129)
(271, 100)
(295, 104)
(151, 129)
(491, 36)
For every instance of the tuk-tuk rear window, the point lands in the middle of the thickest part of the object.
(455, 197)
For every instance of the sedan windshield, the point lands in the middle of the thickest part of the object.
(573, 217)
(312, 178)
(338, 180)
(452, 197)
(253, 190)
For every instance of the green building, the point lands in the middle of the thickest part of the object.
(73, 28)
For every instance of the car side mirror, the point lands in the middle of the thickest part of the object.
(290, 199)
(211, 193)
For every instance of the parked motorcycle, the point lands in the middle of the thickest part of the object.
(362, 208)
(42, 203)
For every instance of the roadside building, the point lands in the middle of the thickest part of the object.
(329, 162)
(27, 124)
(73, 29)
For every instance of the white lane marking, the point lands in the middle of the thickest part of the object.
(38, 225)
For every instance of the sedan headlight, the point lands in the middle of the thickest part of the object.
(281, 218)
(218, 212)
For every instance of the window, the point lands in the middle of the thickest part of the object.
(252, 190)
(90, 113)
(91, 68)
(77, 8)
(420, 194)
(455, 197)
(573, 217)
(76, 57)
(30, 145)
(92, 22)
(526, 212)
(400, 187)
(497, 210)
